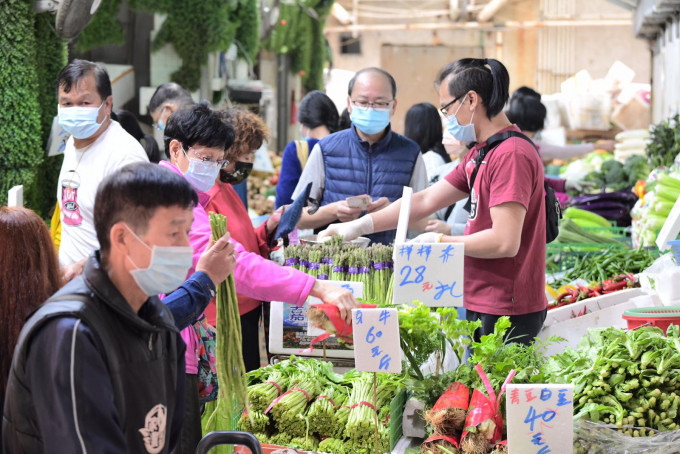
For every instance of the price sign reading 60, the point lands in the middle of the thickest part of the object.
(376, 340)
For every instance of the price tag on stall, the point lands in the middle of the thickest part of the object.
(376, 340)
(431, 273)
(540, 418)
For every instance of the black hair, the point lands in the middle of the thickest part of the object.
(526, 110)
(487, 77)
(198, 124)
(317, 109)
(384, 73)
(172, 93)
(133, 193)
(423, 125)
(75, 71)
(345, 122)
(129, 122)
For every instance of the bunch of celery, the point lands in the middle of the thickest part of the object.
(630, 379)
(321, 413)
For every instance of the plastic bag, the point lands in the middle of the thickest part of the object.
(599, 438)
(664, 277)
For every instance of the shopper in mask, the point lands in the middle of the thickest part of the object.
(98, 146)
(366, 159)
(100, 366)
(165, 100)
(251, 132)
(505, 235)
(318, 117)
(196, 140)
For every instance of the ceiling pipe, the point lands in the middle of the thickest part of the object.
(490, 10)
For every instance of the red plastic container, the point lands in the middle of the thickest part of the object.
(661, 317)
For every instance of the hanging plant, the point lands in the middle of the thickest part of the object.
(51, 57)
(299, 33)
(105, 28)
(195, 28)
(20, 150)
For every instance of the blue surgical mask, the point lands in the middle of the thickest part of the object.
(80, 122)
(461, 133)
(368, 120)
(161, 125)
(167, 269)
(302, 134)
(201, 174)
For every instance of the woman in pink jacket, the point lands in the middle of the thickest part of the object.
(196, 140)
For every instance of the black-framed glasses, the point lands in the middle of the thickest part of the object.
(381, 105)
(444, 109)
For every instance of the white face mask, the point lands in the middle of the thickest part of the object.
(167, 269)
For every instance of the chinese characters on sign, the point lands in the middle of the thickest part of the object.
(376, 340)
(540, 419)
(431, 273)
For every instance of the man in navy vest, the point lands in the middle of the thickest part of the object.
(366, 159)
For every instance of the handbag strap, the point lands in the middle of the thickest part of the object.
(491, 145)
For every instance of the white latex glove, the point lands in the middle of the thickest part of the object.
(579, 186)
(349, 230)
(428, 237)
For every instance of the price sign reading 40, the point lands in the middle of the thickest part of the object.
(376, 340)
(540, 419)
(431, 273)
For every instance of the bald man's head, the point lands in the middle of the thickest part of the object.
(373, 72)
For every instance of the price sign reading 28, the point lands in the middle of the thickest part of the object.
(376, 340)
(431, 273)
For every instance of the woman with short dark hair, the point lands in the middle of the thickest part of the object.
(318, 117)
(423, 125)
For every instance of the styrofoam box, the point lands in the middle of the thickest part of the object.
(589, 305)
(609, 315)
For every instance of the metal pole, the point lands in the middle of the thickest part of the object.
(282, 100)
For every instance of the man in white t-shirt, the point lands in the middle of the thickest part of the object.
(98, 146)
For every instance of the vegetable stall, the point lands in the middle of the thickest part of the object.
(608, 338)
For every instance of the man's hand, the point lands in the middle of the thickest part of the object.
(349, 230)
(340, 297)
(346, 213)
(218, 260)
(438, 226)
(378, 205)
(429, 237)
(73, 270)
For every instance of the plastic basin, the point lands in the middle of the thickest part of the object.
(661, 317)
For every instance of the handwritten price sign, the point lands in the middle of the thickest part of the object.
(431, 273)
(540, 419)
(376, 340)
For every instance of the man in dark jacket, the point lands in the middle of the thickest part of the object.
(100, 366)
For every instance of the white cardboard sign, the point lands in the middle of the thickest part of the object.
(15, 196)
(540, 418)
(357, 289)
(404, 215)
(431, 273)
(376, 340)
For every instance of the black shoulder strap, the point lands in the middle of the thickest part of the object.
(491, 143)
(80, 305)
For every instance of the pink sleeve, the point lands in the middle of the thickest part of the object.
(458, 178)
(514, 174)
(265, 280)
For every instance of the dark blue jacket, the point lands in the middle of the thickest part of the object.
(354, 167)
